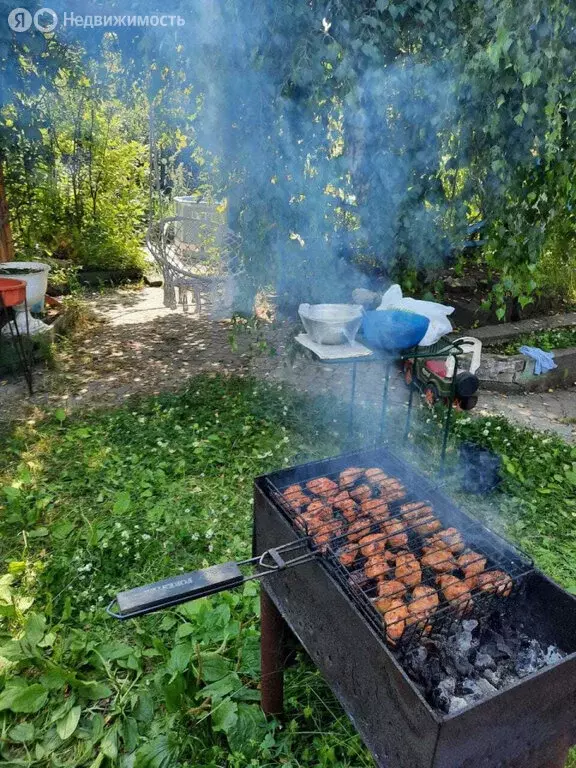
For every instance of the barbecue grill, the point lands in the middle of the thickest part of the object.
(331, 609)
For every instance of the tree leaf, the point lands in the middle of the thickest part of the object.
(66, 727)
(109, 744)
(144, 709)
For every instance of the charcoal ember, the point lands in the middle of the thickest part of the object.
(442, 695)
(414, 660)
(478, 689)
(553, 655)
(529, 659)
(457, 703)
(484, 661)
(494, 677)
(463, 666)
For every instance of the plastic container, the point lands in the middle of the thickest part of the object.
(331, 323)
(12, 292)
(34, 274)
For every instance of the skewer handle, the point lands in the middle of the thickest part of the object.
(176, 590)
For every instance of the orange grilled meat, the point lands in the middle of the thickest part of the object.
(408, 570)
(347, 556)
(358, 529)
(377, 509)
(373, 544)
(391, 589)
(349, 476)
(322, 486)
(361, 493)
(395, 620)
(494, 581)
(394, 530)
(456, 592)
(420, 517)
(440, 559)
(472, 564)
(449, 537)
(424, 602)
(377, 567)
(375, 475)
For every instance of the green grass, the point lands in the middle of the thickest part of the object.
(556, 338)
(93, 504)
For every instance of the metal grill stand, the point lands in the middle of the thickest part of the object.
(438, 351)
(22, 348)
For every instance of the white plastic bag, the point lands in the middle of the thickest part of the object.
(436, 313)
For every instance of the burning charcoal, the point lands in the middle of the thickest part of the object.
(529, 659)
(493, 677)
(483, 662)
(414, 660)
(442, 695)
(469, 625)
(457, 704)
(553, 655)
(479, 689)
(503, 649)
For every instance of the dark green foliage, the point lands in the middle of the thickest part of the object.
(557, 338)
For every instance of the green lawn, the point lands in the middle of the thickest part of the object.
(93, 504)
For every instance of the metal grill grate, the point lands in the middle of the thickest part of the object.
(422, 594)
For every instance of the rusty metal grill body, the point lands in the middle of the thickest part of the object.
(344, 635)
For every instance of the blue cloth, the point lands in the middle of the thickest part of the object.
(544, 361)
(394, 329)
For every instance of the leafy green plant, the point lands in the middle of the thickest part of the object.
(555, 338)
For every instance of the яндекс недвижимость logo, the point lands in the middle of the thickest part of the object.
(20, 20)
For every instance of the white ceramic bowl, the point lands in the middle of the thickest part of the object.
(331, 323)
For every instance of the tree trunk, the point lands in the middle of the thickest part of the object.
(6, 242)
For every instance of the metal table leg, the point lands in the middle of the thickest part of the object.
(384, 411)
(352, 401)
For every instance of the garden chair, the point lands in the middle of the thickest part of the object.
(198, 254)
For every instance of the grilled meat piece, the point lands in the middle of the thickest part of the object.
(375, 475)
(456, 592)
(377, 567)
(440, 559)
(424, 602)
(293, 490)
(377, 509)
(373, 544)
(390, 590)
(358, 529)
(394, 530)
(322, 486)
(419, 517)
(349, 476)
(391, 490)
(408, 570)
(449, 537)
(347, 555)
(298, 503)
(472, 564)
(394, 617)
(494, 581)
(345, 505)
(361, 493)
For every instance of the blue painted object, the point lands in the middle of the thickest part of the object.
(394, 329)
(544, 361)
